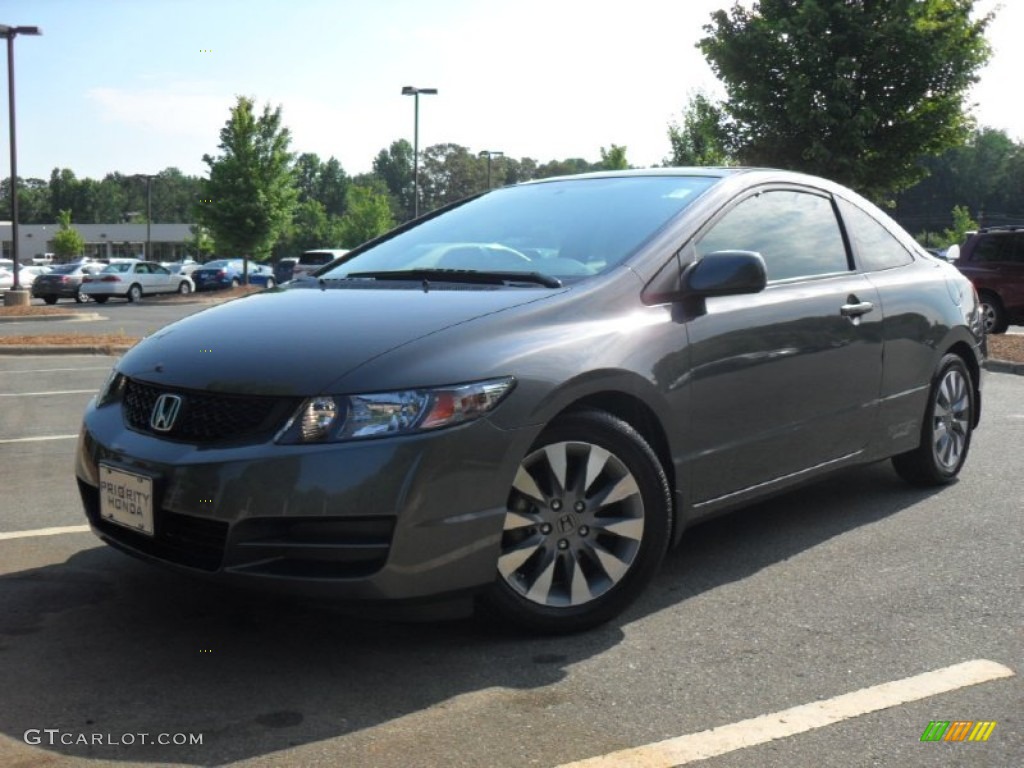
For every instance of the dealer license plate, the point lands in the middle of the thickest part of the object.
(126, 499)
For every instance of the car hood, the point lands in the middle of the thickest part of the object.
(299, 341)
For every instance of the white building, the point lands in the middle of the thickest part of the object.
(101, 240)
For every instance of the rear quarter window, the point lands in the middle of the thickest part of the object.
(875, 247)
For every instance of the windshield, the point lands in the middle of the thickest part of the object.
(566, 229)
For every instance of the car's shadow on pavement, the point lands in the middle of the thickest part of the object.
(102, 644)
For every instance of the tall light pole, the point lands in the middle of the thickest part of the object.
(409, 90)
(149, 212)
(490, 153)
(20, 297)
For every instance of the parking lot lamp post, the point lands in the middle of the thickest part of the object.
(490, 153)
(10, 33)
(149, 212)
(409, 90)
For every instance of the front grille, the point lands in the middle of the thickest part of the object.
(206, 417)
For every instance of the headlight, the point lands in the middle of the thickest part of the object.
(334, 418)
(111, 389)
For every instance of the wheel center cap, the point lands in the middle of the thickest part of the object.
(566, 524)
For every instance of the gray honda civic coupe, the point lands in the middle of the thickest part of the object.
(521, 401)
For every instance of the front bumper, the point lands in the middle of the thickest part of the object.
(409, 518)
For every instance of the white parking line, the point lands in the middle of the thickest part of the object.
(36, 439)
(44, 532)
(806, 717)
(48, 370)
(59, 392)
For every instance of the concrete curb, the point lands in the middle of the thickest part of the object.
(18, 349)
(1004, 366)
(72, 317)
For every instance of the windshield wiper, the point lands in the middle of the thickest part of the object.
(462, 276)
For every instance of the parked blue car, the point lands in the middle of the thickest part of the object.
(227, 273)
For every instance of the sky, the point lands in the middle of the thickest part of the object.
(136, 86)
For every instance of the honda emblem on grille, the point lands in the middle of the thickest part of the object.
(165, 411)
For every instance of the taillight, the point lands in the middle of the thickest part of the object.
(221, 273)
(64, 278)
(110, 279)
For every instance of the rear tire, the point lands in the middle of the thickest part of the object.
(946, 429)
(184, 288)
(81, 298)
(100, 299)
(588, 522)
(50, 299)
(134, 292)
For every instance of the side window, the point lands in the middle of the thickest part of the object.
(1000, 247)
(796, 232)
(875, 246)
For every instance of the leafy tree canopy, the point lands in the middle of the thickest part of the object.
(854, 90)
(67, 243)
(614, 159)
(368, 215)
(251, 191)
(702, 139)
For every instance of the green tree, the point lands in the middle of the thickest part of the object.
(854, 90)
(449, 172)
(614, 159)
(64, 188)
(368, 215)
(200, 245)
(33, 200)
(702, 139)
(251, 190)
(962, 224)
(985, 174)
(393, 166)
(332, 189)
(567, 167)
(67, 243)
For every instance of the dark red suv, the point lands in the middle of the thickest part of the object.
(993, 259)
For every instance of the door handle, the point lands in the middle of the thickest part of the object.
(857, 309)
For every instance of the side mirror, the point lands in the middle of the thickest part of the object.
(725, 273)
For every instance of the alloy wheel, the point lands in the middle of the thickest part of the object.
(573, 527)
(951, 419)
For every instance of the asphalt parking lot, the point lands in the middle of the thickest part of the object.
(852, 583)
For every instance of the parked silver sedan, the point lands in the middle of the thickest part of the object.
(132, 280)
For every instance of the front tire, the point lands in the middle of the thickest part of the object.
(946, 431)
(587, 523)
(50, 299)
(100, 299)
